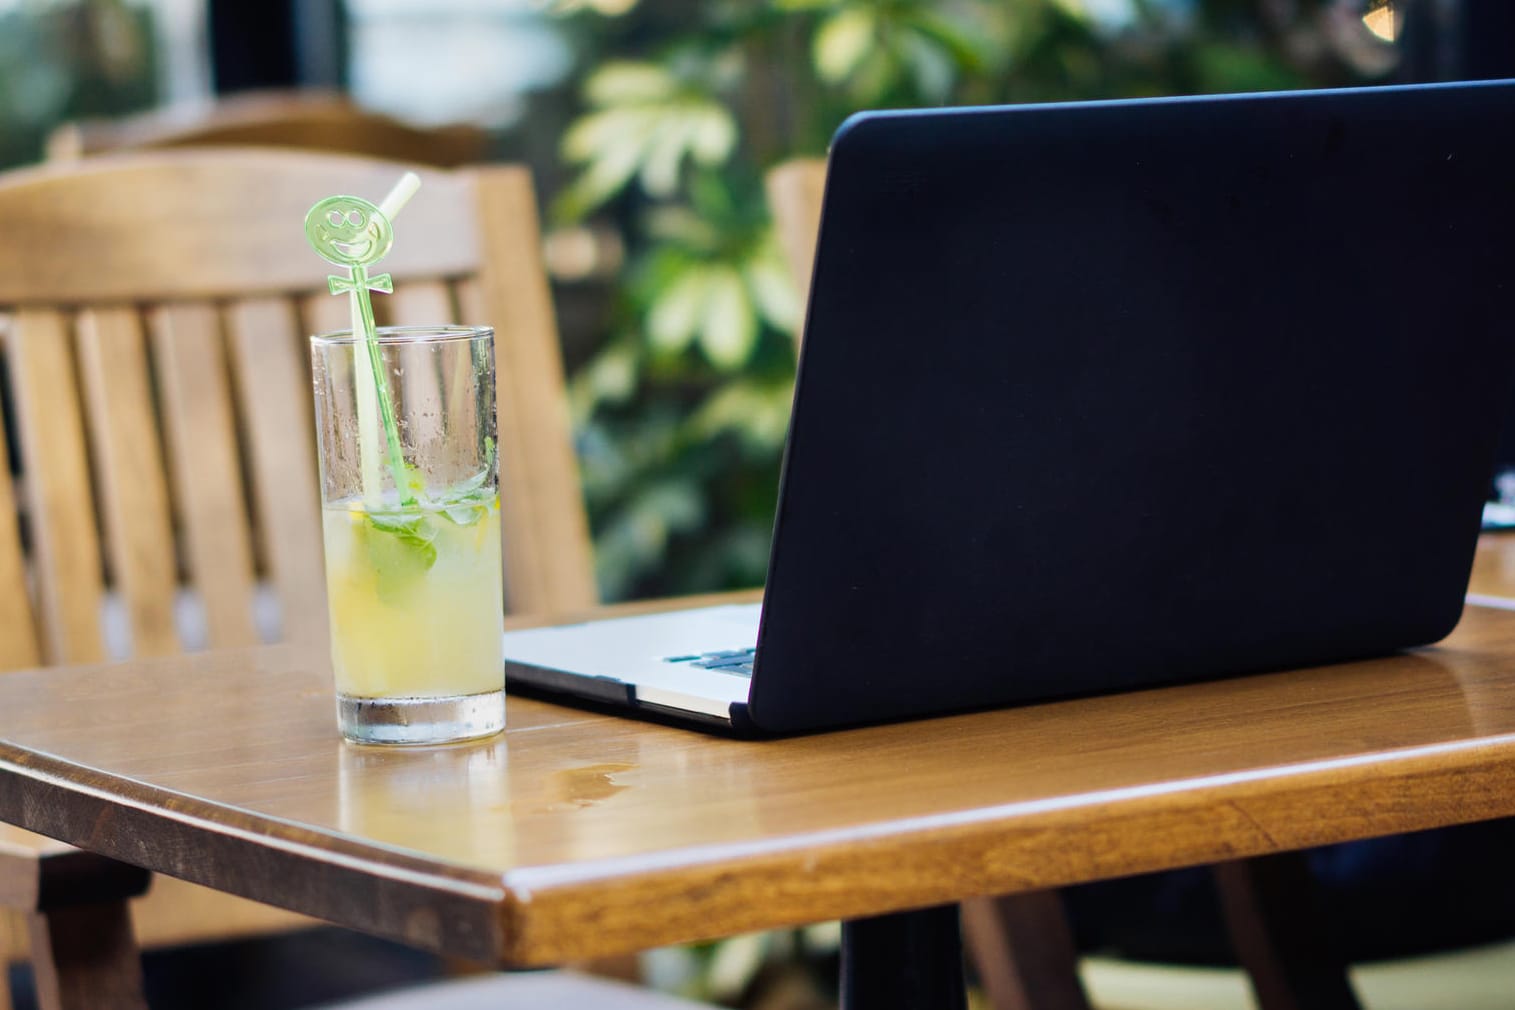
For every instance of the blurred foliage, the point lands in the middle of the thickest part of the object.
(685, 104)
(62, 61)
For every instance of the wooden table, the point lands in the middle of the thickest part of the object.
(577, 834)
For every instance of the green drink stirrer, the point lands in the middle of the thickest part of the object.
(348, 231)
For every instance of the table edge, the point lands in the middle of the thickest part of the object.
(545, 915)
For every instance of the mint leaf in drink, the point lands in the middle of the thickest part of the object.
(401, 551)
(465, 513)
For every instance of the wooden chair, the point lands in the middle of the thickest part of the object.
(309, 120)
(1022, 945)
(153, 315)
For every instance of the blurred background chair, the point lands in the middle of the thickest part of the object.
(153, 315)
(310, 120)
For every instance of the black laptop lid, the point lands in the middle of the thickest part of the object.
(1100, 396)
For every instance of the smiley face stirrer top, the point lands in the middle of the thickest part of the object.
(348, 231)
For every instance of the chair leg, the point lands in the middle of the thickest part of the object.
(84, 957)
(1271, 909)
(1023, 949)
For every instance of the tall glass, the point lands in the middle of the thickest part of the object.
(413, 574)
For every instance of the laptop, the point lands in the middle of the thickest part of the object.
(1101, 396)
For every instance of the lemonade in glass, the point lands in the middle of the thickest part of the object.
(413, 564)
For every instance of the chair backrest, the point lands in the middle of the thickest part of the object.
(308, 120)
(153, 315)
(794, 195)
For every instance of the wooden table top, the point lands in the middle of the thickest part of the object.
(577, 834)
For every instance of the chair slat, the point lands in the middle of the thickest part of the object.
(18, 642)
(526, 589)
(59, 499)
(421, 303)
(512, 295)
(795, 190)
(202, 444)
(322, 313)
(273, 385)
(129, 466)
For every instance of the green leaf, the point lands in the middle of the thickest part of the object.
(712, 136)
(416, 532)
(931, 65)
(674, 318)
(842, 42)
(401, 551)
(772, 286)
(757, 413)
(664, 153)
(604, 178)
(620, 82)
(593, 135)
(728, 330)
(644, 126)
(465, 514)
(969, 50)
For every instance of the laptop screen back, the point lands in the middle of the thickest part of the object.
(1099, 396)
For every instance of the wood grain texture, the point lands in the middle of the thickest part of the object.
(172, 912)
(67, 214)
(18, 643)
(273, 389)
(539, 471)
(129, 471)
(577, 834)
(59, 496)
(201, 435)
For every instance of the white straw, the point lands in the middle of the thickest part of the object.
(400, 195)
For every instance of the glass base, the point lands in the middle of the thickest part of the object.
(418, 721)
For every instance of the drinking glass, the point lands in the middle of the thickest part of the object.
(413, 572)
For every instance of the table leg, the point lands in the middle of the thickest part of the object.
(85, 958)
(905, 961)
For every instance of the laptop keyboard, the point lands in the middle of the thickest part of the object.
(733, 661)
